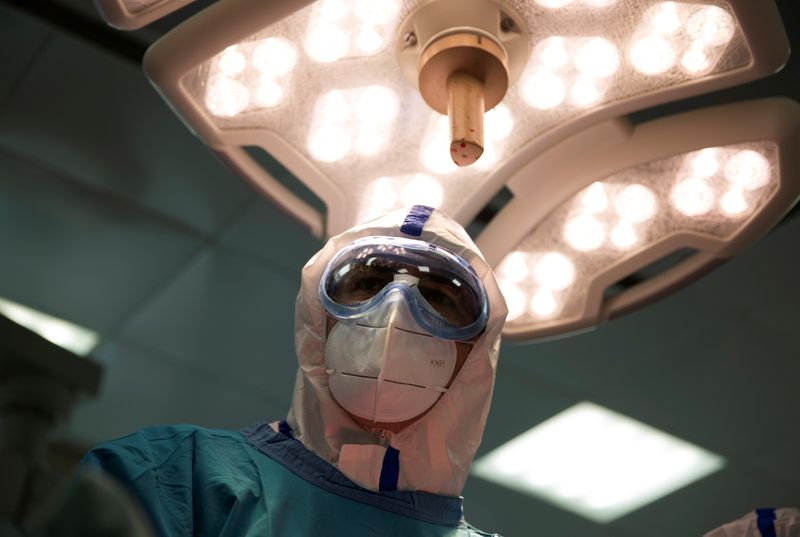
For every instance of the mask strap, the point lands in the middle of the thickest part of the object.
(390, 471)
(766, 522)
(390, 468)
(285, 429)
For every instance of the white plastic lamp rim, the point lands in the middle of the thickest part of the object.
(549, 180)
(117, 15)
(228, 22)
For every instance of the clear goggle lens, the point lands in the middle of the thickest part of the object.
(356, 279)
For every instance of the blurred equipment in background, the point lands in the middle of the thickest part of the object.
(39, 384)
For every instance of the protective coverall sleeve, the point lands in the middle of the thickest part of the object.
(182, 477)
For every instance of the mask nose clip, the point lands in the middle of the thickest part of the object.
(407, 278)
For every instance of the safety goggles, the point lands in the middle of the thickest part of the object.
(445, 296)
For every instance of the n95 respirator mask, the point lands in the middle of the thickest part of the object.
(384, 368)
(400, 306)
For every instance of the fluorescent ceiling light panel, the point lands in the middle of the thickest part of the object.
(318, 86)
(614, 200)
(596, 463)
(65, 334)
(133, 14)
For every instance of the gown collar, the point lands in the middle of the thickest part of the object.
(290, 453)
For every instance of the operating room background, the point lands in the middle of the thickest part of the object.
(114, 216)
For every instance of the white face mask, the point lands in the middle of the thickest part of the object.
(384, 369)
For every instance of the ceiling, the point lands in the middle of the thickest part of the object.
(114, 216)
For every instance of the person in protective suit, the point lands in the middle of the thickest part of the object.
(397, 332)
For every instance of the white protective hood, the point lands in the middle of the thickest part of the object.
(436, 451)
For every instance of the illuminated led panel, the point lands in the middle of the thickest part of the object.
(672, 186)
(596, 463)
(318, 87)
(65, 334)
(133, 14)
(709, 192)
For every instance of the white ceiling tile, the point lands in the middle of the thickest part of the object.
(25, 38)
(265, 231)
(493, 508)
(226, 315)
(141, 389)
(75, 254)
(520, 401)
(95, 116)
(708, 504)
(761, 287)
(779, 453)
(716, 401)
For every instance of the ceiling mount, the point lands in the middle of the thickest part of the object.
(462, 55)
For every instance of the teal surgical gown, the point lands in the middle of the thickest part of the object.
(258, 482)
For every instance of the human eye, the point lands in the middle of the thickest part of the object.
(438, 297)
(370, 285)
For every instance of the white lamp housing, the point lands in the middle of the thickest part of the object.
(134, 14)
(613, 200)
(318, 86)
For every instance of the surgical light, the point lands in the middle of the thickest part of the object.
(65, 334)
(652, 55)
(274, 56)
(561, 78)
(514, 267)
(375, 105)
(597, 463)
(554, 271)
(623, 236)
(634, 198)
(134, 14)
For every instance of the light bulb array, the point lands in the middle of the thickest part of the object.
(359, 120)
(386, 194)
(340, 29)
(678, 36)
(711, 191)
(253, 86)
(575, 70)
(580, 69)
(672, 39)
(250, 76)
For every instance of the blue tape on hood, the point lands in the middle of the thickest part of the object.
(415, 220)
(766, 522)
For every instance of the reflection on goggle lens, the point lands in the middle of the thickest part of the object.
(447, 285)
